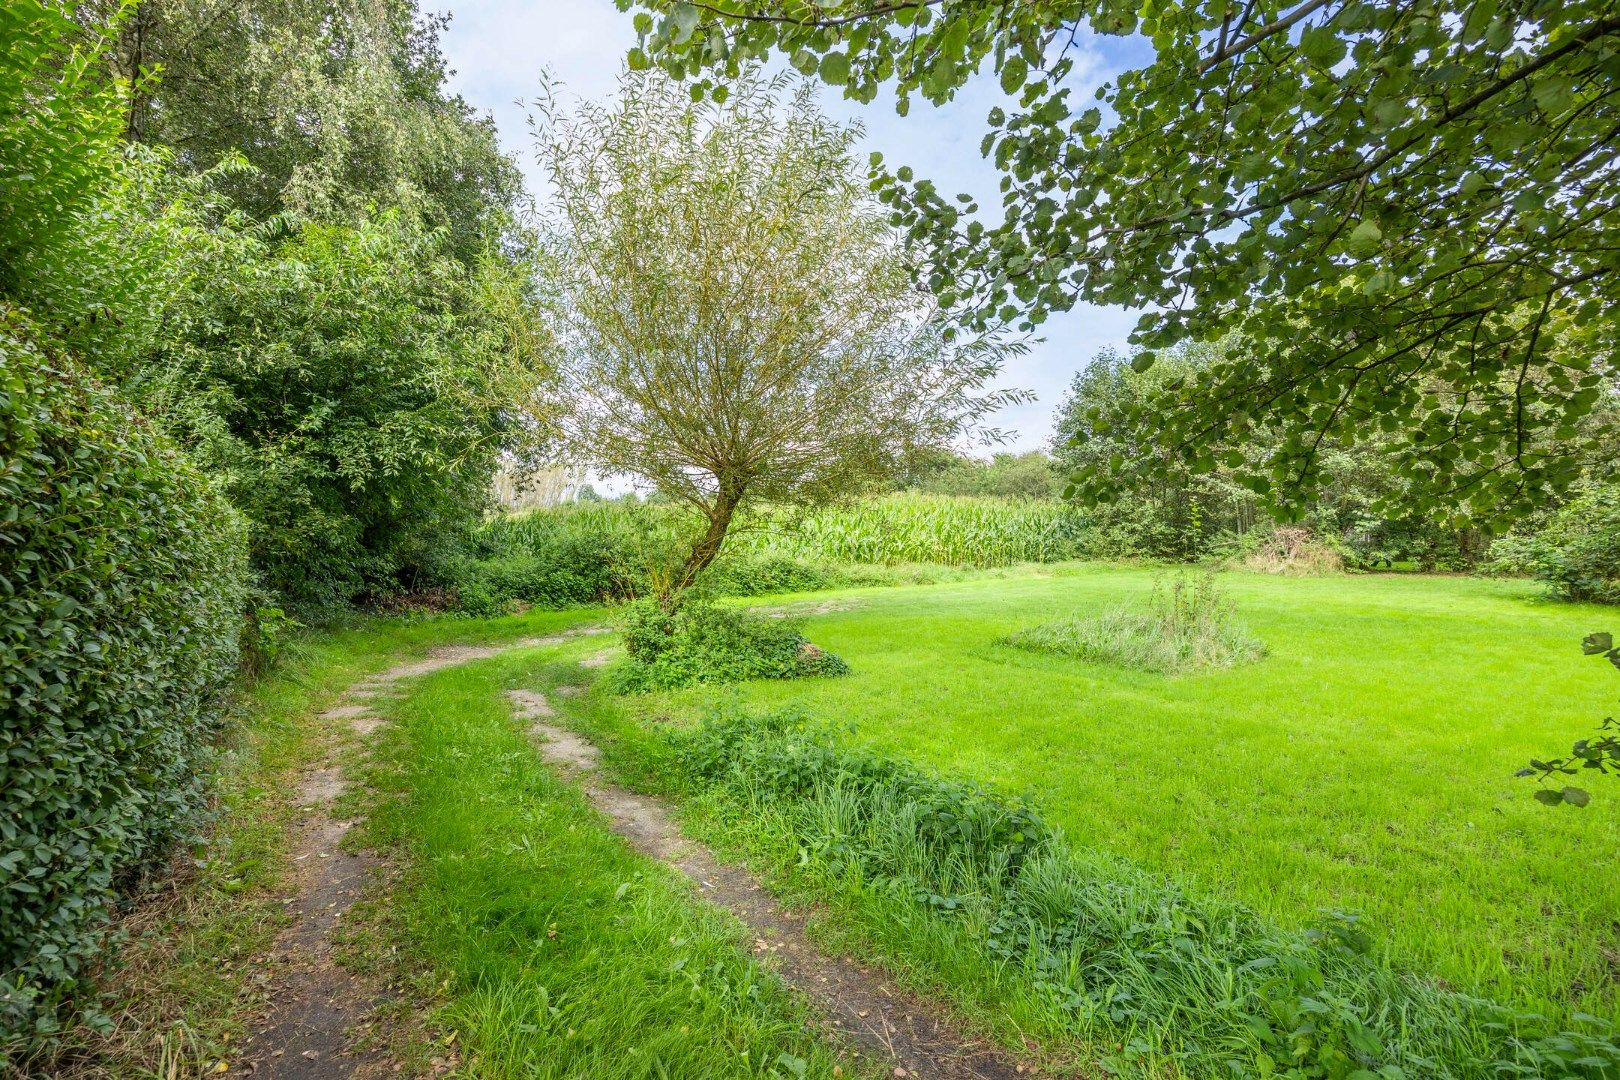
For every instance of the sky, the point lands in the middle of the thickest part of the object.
(498, 49)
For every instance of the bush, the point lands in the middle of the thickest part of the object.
(598, 552)
(354, 384)
(697, 641)
(1189, 626)
(1577, 552)
(1090, 947)
(581, 553)
(122, 581)
(1289, 550)
(1031, 475)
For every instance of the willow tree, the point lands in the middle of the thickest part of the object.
(1407, 210)
(738, 322)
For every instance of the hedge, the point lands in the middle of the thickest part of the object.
(122, 582)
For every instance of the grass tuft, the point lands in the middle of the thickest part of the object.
(1190, 626)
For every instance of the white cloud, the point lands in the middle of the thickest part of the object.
(499, 48)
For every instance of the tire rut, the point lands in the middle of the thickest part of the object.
(916, 1038)
(318, 1016)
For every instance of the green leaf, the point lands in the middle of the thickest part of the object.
(1013, 73)
(684, 16)
(1142, 361)
(1553, 94)
(834, 68)
(1321, 46)
(1364, 238)
(638, 60)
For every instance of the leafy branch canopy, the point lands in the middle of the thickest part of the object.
(1408, 213)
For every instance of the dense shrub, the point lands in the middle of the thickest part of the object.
(122, 582)
(579, 553)
(694, 640)
(1576, 553)
(1189, 625)
(1089, 946)
(1108, 424)
(598, 552)
(1031, 475)
(354, 384)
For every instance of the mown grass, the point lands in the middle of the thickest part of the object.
(1364, 765)
(552, 948)
(975, 894)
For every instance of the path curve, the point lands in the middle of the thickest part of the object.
(318, 1014)
(917, 1038)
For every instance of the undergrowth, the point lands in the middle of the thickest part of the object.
(981, 894)
(695, 641)
(1190, 625)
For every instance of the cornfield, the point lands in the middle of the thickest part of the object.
(893, 530)
(941, 529)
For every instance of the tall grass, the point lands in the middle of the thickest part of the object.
(1190, 624)
(586, 553)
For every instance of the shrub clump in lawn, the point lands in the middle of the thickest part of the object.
(691, 640)
(975, 887)
(1576, 554)
(1292, 551)
(1189, 625)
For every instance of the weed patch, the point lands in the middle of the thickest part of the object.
(1292, 551)
(1190, 625)
(697, 641)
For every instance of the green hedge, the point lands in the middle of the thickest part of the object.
(122, 581)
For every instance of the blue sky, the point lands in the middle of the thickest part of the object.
(499, 47)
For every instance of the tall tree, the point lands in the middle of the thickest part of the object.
(737, 319)
(1409, 211)
(339, 107)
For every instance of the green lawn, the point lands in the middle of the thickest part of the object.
(1365, 764)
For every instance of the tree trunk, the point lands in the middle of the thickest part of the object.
(708, 545)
